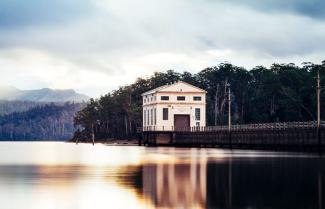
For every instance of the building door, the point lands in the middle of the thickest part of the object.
(182, 122)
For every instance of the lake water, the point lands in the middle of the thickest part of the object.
(54, 175)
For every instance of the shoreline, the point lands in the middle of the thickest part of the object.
(112, 142)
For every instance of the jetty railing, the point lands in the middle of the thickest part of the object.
(255, 126)
(300, 135)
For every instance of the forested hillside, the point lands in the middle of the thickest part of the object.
(283, 92)
(42, 122)
(7, 107)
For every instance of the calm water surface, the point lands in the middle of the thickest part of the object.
(52, 175)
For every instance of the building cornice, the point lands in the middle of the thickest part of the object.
(159, 89)
(181, 92)
(174, 103)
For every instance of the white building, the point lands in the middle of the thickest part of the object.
(173, 107)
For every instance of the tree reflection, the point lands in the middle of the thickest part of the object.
(275, 183)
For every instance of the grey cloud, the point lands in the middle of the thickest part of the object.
(114, 37)
(178, 26)
(17, 13)
(311, 8)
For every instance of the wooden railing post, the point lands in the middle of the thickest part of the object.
(319, 138)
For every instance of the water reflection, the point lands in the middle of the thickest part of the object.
(164, 178)
(42, 187)
(276, 183)
(176, 185)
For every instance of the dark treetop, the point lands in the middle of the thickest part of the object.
(283, 92)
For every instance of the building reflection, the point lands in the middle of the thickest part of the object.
(177, 184)
(275, 183)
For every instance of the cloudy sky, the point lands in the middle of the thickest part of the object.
(94, 46)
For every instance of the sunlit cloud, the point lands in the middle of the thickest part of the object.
(94, 46)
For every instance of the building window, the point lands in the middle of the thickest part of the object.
(144, 100)
(198, 124)
(151, 117)
(165, 98)
(165, 113)
(197, 113)
(181, 98)
(148, 117)
(197, 98)
(144, 117)
(155, 114)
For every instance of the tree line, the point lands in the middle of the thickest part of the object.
(279, 93)
(43, 122)
(7, 107)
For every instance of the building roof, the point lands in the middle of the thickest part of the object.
(169, 88)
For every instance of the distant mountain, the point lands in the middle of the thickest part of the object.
(41, 95)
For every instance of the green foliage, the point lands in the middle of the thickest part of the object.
(283, 92)
(43, 122)
(7, 107)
